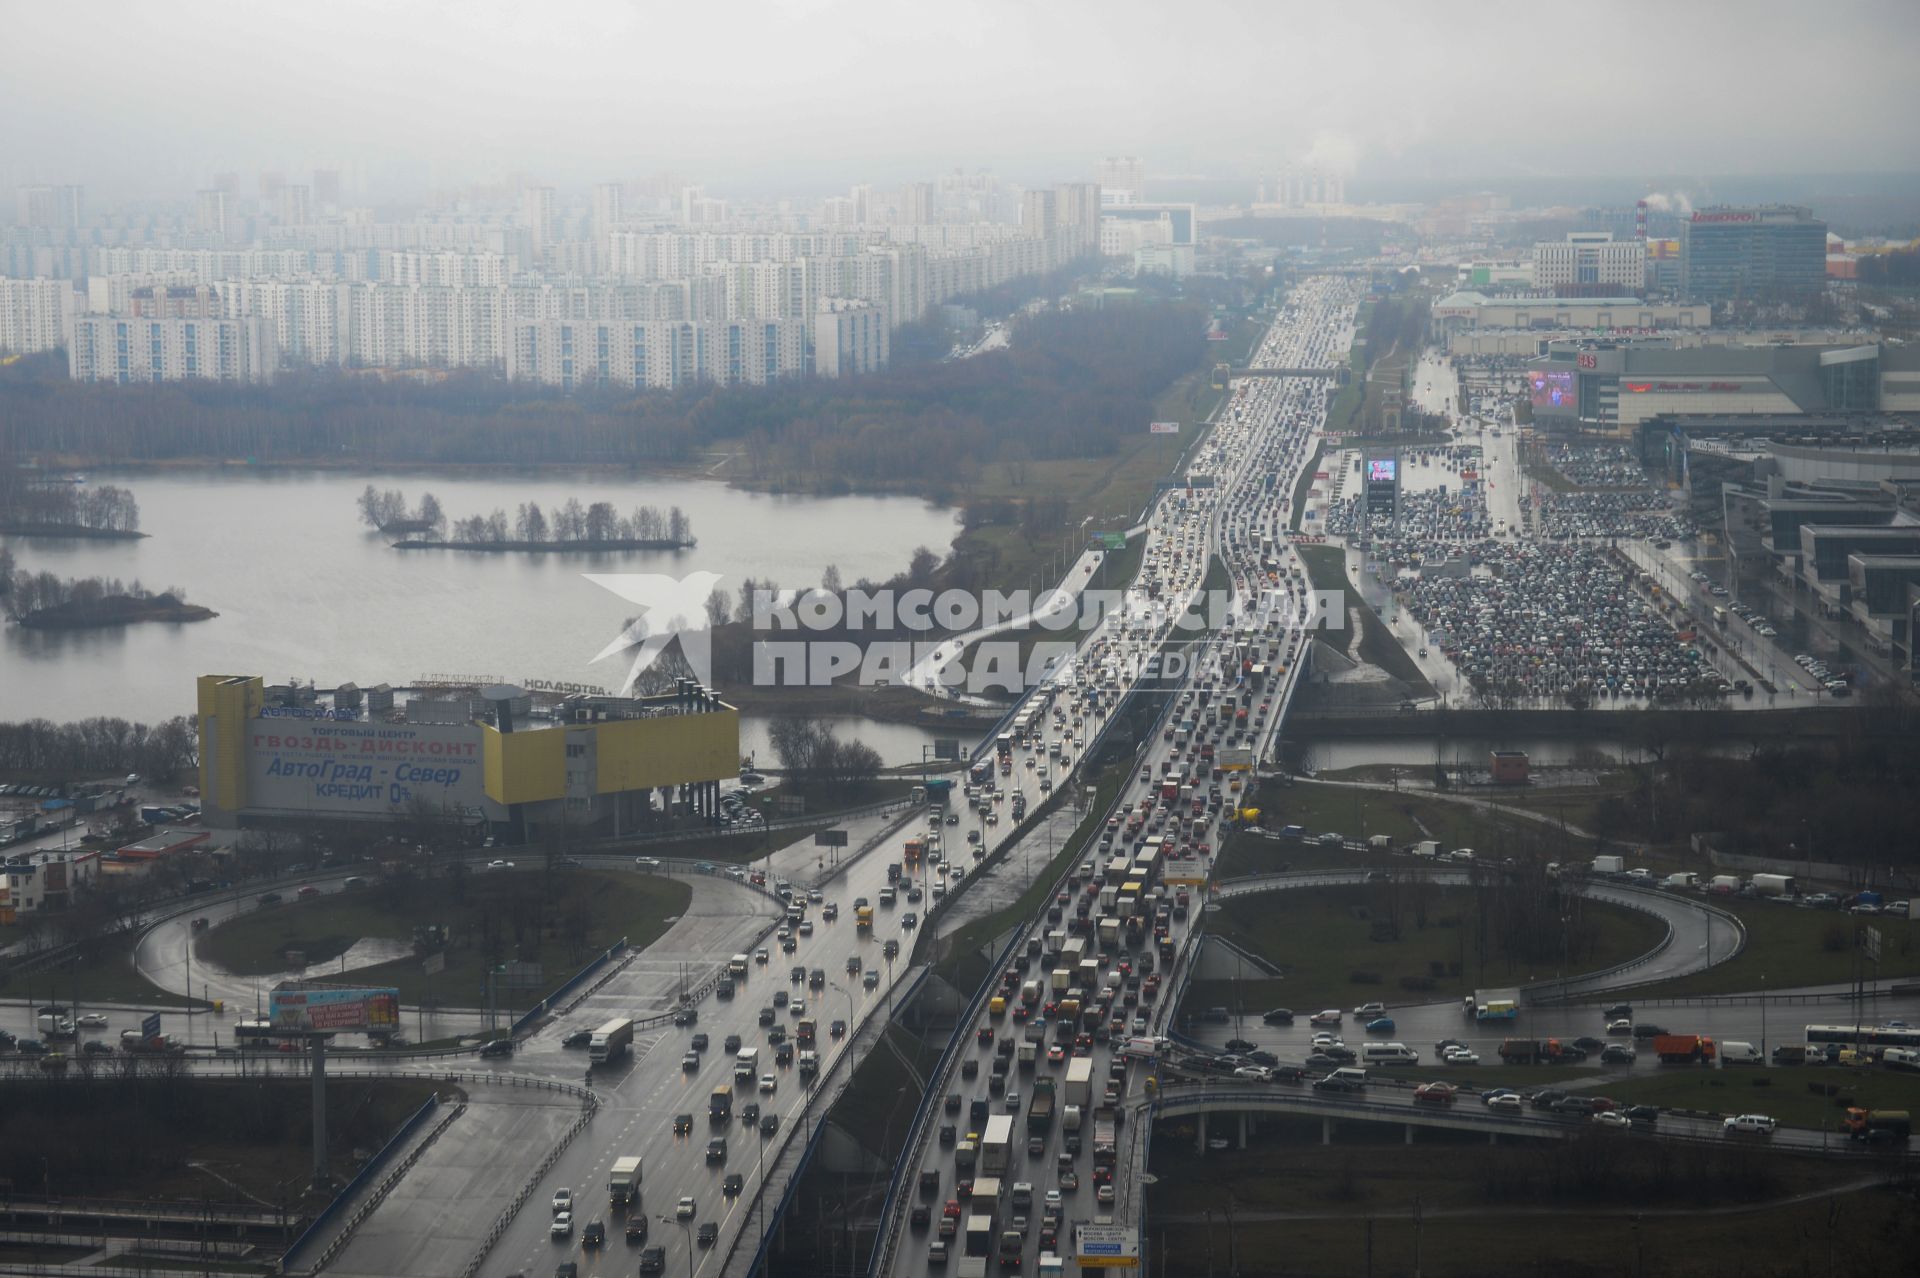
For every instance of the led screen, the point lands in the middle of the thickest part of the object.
(1380, 470)
(1552, 390)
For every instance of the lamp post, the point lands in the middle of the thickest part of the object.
(686, 1227)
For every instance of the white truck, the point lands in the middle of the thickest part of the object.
(1683, 880)
(1079, 1087)
(611, 1041)
(1609, 864)
(623, 1182)
(1428, 848)
(1774, 884)
(746, 1065)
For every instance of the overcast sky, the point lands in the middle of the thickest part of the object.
(754, 96)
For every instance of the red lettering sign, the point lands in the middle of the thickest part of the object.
(1723, 217)
(1589, 361)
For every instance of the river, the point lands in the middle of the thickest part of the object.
(304, 590)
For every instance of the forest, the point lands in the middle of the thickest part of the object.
(101, 746)
(31, 503)
(43, 599)
(571, 523)
(1072, 385)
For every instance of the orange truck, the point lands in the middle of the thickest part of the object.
(1683, 1049)
(916, 849)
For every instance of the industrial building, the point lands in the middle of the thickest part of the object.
(1769, 252)
(513, 763)
(1470, 309)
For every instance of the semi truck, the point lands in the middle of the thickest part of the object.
(1040, 1108)
(1683, 1049)
(1551, 1051)
(1876, 1126)
(611, 1041)
(623, 1182)
(996, 1147)
(1079, 1080)
(1773, 885)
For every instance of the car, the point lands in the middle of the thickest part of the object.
(595, 1234)
(707, 1234)
(684, 1209)
(562, 1200)
(1254, 1073)
(1367, 1010)
(682, 1124)
(562, 1226)
(1336, 1083)
(1642, 1113)
(1381, 1025)
(1621, 1027)
(1589, 1044)
(1012, 1102)
(1610, 1118)
(1506, 1103)
(732, 1185)
(92, 1020)
(1240, 1045)
(1435, 1093)
(1331, 1016)
(1277, 1016)
(646, 862)
(1103, 1195)
(871, 980)
(577, 1038)
(1546, 1098)
(690, 1063)
(699, 1043)
(838, 1029)
(1617, 1054)
(653, 1260)
(1749, 1125)
(717, 1150)
(769, 1124)
(1644, 1031)
(768, 1084)
(1053, 1200)
(496, 1047)
(1069, 1180)
(1461, 1056)
(798, 1007)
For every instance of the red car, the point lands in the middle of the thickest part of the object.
(985, 1035)
(1435, 1093)
(952, 1209)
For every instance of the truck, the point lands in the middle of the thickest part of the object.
(1079, 1080)
(1030, 993)
(1496, 1005)
(1683, 1049)
(1426, 848)
(737, 967)
(915, 852)
(1040, 1108)
(809, 1064)
(1027, 1052)
(1724, 883)
(1773, 885)
(1551, 1051)
(1070, 1118)
(1681, 881)
(746, 1065)
(611, 1041)
(1891, 1126)
(977, 1248)
(1609, 864)
(720, 1105)
(996, 1147)
(1106, 1143)
(805, 1031)
(863, 915)
(1109, 932)
(623, 1182)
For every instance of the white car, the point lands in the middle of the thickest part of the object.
(499, 865)
(1461, 1056)
(93, 1020)
(647, 862)
(768, 1082)
(684, 1210)
(562, 1200)
(562, 1225)
(1053, 1198)
(1610, 1118)
(1255, 1073)
(1370, 1009)
(1749, 1125)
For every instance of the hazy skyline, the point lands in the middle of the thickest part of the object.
(759, 96)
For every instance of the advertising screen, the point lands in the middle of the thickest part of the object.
(347, 1009)
(371, 768)
(1381, 470)
(1551, 390)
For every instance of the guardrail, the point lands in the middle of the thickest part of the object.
(539, 1010)
(589, 1105)
(372, 1201)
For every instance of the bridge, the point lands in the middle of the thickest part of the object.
(1239, 373)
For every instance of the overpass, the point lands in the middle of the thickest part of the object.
(1240, 373)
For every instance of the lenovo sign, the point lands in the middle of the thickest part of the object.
(1723, 217)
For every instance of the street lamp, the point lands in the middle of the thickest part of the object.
(686, 1227)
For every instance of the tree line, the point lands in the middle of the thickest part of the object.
(570, 522)
(814, 760)
(387, 511)
(1072, 384)
(100, 746)
(27, 500)
(27, 593)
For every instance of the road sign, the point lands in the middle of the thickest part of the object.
(830, 839)
(1873, 943)
(150, 1025)
(435, 963)
(946, 747)
(1113, 541)
(517, 975)
(1106, 1247)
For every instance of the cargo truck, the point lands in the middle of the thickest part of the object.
(1724, 883)
(720, 1105)
(977, 1248)
(746, 1065)
(611, 1041)
(1876, 1126)
(863, 915)
(1079, 1080)
(1527, 1051)
(1027, 1052)
(996, 1147)
(1609, 864)
(809, 1064)
(623, 1182)
(1683, 1049)
(1040, 1108)
(1773, 884)
(1105, 1135)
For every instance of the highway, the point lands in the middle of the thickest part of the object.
(1265, 428)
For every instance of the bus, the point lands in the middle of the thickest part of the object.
(1864, 1035)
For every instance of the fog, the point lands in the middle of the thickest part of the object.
(761, 96)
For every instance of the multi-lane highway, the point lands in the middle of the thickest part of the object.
(1241, 481)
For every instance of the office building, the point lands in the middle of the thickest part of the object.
(1590, 264)
(296, 204)
(210, 212)
(850, 337)
(1470, 309)
(35, 315)
(1077, 208)
(1123, 180)
(1764, 253)
(55, 207)
(112, 348)
(536, 220)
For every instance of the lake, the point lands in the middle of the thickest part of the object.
(305, 590)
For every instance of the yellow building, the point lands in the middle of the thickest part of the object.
(494, 754)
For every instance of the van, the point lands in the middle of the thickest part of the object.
(1350, 1076)
(1388, 1054)
(1905, 1058)
(1739, 1054)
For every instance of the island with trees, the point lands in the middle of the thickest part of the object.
(42, 601)
(571, 527)
(35, 505)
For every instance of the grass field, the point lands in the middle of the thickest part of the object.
(1327, 570)
(103, 975)
(1322, 939)
(1799, 1095)
(1789, 947)
(880, 1125)
(558, 919)
(1404, 816)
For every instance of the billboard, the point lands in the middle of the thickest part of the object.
(1551, 390)
(1163, 428)
(1381, 470)
(1106, 1246)
(361, 768)
(346, 1009)
(1383, 484)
